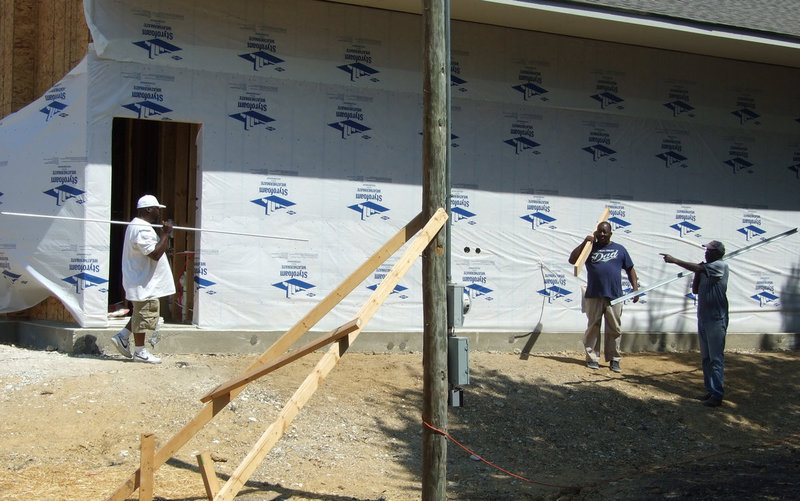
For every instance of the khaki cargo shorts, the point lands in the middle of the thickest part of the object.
(145, 315)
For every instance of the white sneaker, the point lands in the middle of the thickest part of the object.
(145, 356)
(122, 344)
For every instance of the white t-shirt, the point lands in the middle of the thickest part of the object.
(143, 278)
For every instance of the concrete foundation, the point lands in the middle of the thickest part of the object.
(176, 339)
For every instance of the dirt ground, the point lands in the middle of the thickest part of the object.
(70, 428)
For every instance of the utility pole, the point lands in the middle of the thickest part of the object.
(436, 81)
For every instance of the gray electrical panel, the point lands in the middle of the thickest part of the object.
(458, 360)
(456, 305)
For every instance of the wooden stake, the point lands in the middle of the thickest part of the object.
(146, 467)
(209, 476)
(587, 248)
(330, 301)
(329, 361)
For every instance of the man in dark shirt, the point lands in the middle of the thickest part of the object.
(604, 283)
(710, 284)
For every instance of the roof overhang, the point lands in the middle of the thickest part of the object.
(610, 26)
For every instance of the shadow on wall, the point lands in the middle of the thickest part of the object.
(790, 301)
(652, 336)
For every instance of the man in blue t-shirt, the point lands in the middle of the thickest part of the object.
(604, 283)
(710, 284)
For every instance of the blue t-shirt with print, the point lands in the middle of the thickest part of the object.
(604, 270)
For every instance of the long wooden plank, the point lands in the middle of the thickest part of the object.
(329, 360)
(334, 335)
(280, 346)
(587, 248)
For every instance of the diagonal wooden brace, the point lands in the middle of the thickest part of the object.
(329, 360)
(285, 359)
(212, 408)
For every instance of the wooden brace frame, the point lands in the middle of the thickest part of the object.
(224, 396)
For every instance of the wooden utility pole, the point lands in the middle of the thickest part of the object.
(436, 78)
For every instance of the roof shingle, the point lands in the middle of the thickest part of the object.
(777, 17)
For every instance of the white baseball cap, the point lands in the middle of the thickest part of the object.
(149, 201)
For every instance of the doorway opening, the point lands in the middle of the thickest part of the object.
(157, 158)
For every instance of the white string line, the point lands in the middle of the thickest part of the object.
(185, 228)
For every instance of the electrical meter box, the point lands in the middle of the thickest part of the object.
(457, 305)
(458, 360)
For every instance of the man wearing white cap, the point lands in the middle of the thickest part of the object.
(146, 277)
(710, 284)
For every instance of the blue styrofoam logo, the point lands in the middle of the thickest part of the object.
(252, 118)
(12, 278)
(678, 107)
(261, 59)
(293, 286)
(684, 228)
(537, 219)
(765, 293)
(555, 287)
(746, 115)
(156, 47)
(607, 99)
(476, 279)
(538, 215)
(358, 71)
(82, 281)
(459, 203)
(751, 231)
(766, 298)
(739, 164)
(349, 128)
(294, 279)
(522, 144)
(147, 109)
(65, 193)
(529, 90)
(54, 109)
(204, 284)
(368, 209)
(200, 283)
(398, 289)
(461, 214)
(617, 223)
(599, 151)
(554, 292)
(672, 159)
(273, 203)
(617, 214)
(476, 291)
(55, 106)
